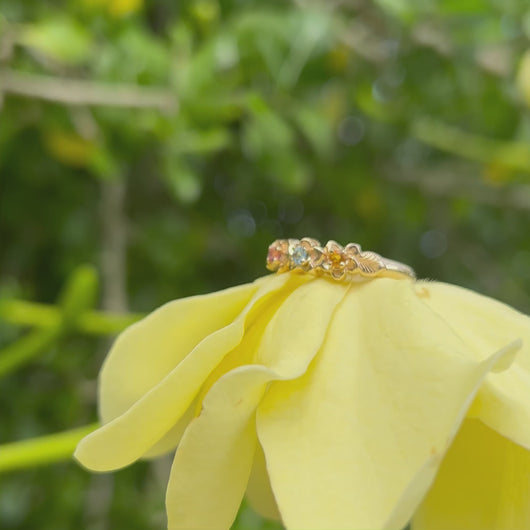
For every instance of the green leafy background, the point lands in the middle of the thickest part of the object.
(152, 149)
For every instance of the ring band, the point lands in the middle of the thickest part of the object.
(341, 263)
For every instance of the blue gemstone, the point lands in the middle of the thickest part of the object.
(299, 256)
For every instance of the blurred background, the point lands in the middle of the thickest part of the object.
(152, 149)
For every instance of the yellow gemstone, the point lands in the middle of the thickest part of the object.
(335, 258)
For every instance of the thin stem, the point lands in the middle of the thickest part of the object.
(448, 182)
(114, 244)
(26, 348)
(42, 450)
(43, 316)
(99, 323)
(22, 313)
(511, 154)
(81, 92)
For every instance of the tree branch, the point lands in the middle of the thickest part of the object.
(446, 181)
(80, 92)
(114, 245)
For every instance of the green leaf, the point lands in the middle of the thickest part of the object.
(202, 142)
(401, 9)
(266, 131)
(459, 7)
(183, 182)
(62, 39)
(315, 127)
(103, 163)
(291, 172)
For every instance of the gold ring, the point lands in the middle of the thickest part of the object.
(341, 263)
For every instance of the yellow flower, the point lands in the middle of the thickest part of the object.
(331, 405)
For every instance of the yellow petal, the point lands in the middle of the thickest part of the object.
(246, 351)
(483, 484)
(259, 492)
(485, 325)
(239, 356)
(215, 456)
(297, 331)
(148, 350)
(170, 440)
(213, 461)
(382, 398)
(130, 435)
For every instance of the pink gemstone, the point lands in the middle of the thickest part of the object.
(277, 256)
(273, 255)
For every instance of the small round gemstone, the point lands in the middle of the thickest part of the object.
(277, 256)
(336, 261)
(336, 258)
(299, 256)
(273, 255)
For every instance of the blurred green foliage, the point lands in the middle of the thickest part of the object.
(167, 143)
